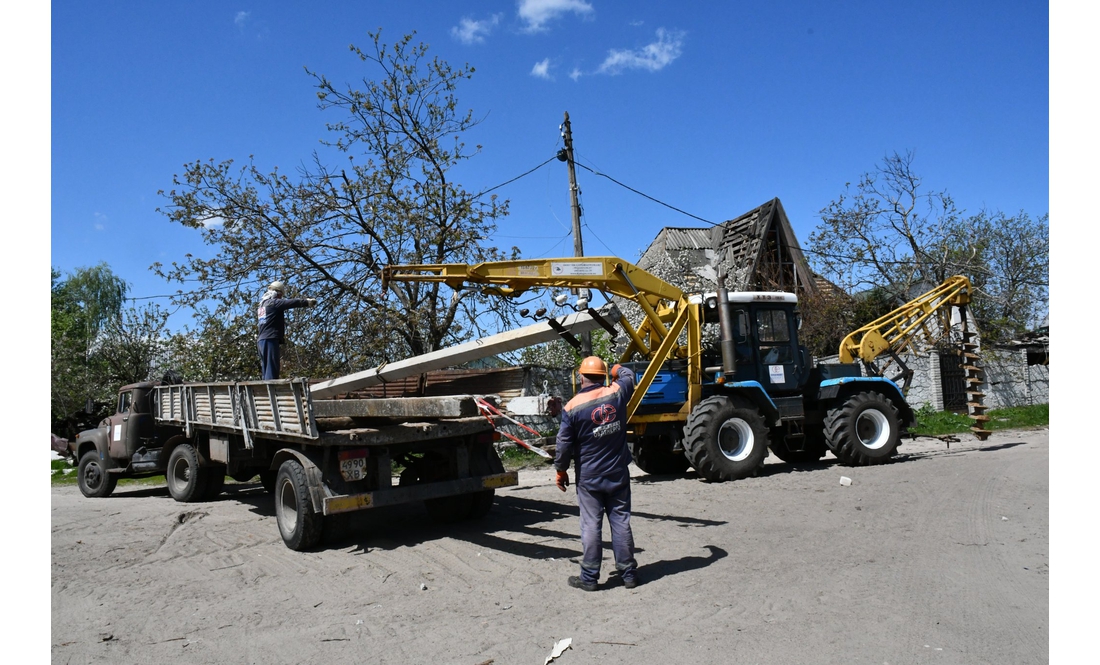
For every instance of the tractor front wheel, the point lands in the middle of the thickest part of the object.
(864, 430)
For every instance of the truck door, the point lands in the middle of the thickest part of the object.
(116, 442)
(777, 350)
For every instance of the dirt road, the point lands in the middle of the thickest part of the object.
(940, 557)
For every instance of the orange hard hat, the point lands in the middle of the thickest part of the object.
(594, 366)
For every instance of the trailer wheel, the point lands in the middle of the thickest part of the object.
(653, 454)
(300, 527)
(725, 440)
(450, 509)
(186, 481)
(93, 479)
(864, 430)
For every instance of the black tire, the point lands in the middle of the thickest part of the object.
(725, 440)
(485, 462)
(653, 454)
(300, 527)
(215, 482)
(450, 509)
(92, 477)
(864, 430)
(186, 481)
(813, 449)
(267, 479)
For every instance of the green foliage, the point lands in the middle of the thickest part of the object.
(890, 233)
(381, 192)
(936, 423)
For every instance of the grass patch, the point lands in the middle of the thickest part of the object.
(516, 458)
(937, 423)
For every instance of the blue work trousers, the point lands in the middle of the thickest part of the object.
(616, 504)
(269, 359)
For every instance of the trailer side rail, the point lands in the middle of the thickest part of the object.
(251, 408)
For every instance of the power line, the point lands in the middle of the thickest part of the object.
(508, 182)
(655, 200)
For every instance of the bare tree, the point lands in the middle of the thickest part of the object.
(328, 231)
(887, 235)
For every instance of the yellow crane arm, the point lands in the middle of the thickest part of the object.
(508, 278)
(901, 327)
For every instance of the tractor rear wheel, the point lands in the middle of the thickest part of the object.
(725, 439)
(654, 455)
(864, 430)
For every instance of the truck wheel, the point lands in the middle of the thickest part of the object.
(450, 509)
(485, 462)
(93, 479)
(725, 440)
(653, 454)
(300, 527)
(215, 482)
(267, 480)
(864, 430)
(186, 482)
(813, 449)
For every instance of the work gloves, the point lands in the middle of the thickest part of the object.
(562, 480)
(615, 371)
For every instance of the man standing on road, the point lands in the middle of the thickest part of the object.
(273, 326)
(593, 437)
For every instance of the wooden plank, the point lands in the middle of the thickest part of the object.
(511, 340)
(451, 406)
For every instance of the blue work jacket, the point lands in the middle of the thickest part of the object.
(593, 435)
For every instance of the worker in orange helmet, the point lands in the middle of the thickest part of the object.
(593, 438)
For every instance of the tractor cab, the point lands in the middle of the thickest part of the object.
(764, 327)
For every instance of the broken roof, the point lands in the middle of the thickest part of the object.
(757, 250)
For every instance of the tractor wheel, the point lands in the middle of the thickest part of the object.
(93, 479)
(813, 449)
(725, 440)
(186, 481)
(653, 454)
(864, 430)
(300, 527)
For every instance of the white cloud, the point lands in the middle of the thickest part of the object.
(575, 74)
(100, 223)
(212, 221)
(536, 13)
(652, 57)
(241, 19)
(542, 69)
(470, 31)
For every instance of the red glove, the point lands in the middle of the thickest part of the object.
(562, 480)
(615, 371)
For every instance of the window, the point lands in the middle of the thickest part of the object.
(124, 402)
(772, 326)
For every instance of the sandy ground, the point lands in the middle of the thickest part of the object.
(939, 557)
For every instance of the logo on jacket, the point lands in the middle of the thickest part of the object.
(603, 414)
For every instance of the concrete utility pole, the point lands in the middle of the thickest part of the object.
(578, 244)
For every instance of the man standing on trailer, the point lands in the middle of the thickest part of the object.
(273, 326)
(593, 438)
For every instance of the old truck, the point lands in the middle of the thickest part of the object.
(719, 405)
(320, 458)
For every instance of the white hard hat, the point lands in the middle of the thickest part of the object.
(277, 286)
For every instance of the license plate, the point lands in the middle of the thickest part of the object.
(353, 464)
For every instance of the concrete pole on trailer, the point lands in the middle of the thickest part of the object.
(511, 340)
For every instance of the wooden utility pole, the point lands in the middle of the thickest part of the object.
(578, 244)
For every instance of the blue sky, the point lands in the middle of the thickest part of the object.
(711, 107)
